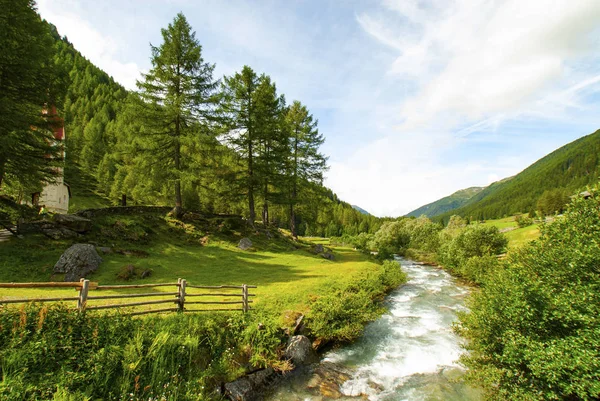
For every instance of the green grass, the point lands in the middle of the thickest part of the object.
(287, 274)
(83, 193)
(506, 222)
(522, 236)
(517, 237)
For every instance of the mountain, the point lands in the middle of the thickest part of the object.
(446, 204)
(361, 210)
(570, 168)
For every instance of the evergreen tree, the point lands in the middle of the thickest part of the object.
(178, 101)
(306, 164)
(272, 150)
(28, 152)
(251, 107)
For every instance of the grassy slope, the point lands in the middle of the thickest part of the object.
(447, 203)
(517, 236)
(285, 276)
(572, 166)
(82, 187)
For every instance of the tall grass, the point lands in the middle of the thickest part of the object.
(54, 353)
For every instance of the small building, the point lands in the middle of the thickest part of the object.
(56, 195)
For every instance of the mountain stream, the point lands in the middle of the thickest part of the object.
(410, 353)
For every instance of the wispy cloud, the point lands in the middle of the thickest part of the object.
(478, 57)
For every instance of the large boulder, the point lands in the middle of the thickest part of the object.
(318, 248)
(245, 244)
(300, 351)
(78, 261)
(328, 255)
(72, 222)
(247, 388)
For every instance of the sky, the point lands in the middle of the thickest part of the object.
(416, 99)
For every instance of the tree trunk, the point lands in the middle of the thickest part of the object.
(178, 209)
(2, 166)
(294, 188)
(293, 222)
(251, 186)
(265, 210)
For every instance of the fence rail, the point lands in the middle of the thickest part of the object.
(183, 291)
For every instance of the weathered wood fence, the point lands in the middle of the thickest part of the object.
(86, 301)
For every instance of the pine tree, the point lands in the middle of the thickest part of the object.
(306, 163)
(28, 152)
(179, 98)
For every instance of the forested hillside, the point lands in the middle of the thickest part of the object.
(223, 145)
(557, 175)
(446, 204)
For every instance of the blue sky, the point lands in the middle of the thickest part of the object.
(416, 98)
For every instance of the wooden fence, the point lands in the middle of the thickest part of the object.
(86, 301)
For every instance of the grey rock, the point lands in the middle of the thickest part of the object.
(327, 378)
(105, 249)
(78, 261)
(245, 244)
(247, 388)
(72, 222)
(300, 351)
(298, 326)
(318, 248)
(60, 233)
(328, 255)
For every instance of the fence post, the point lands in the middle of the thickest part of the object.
(245, 298)
(83, 294)
(182, 285)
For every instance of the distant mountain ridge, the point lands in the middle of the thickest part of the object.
(360, 210)
(570, 167)
(446, 204)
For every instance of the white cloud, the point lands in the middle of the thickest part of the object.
(479, 57)
(99, 48)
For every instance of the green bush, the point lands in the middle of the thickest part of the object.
(341, 315)
(478, 268)
(523, 221)
(471, 241)
(534, 328)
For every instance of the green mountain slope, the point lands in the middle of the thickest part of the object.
(570, 167)
(446, 204)
(361, 210)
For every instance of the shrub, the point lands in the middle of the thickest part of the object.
(472, 241)
(534, 328)
(523, 221)
(341, 315)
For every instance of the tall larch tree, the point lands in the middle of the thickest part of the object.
(28, 152)
(179, 99)
(272, 147)
(241, 124)
(306, 164)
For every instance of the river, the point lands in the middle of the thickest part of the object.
(410, 353)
